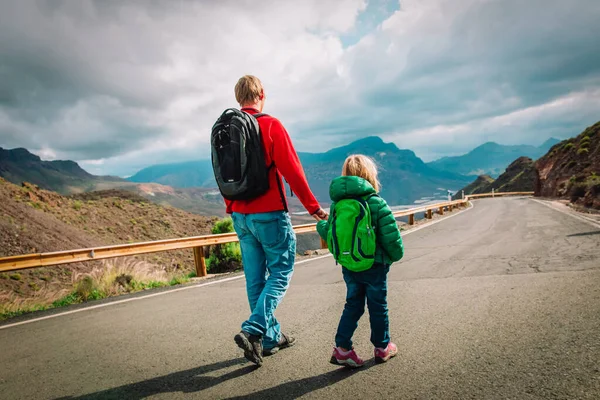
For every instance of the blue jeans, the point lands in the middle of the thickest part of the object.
(372, 286)
(268, 244)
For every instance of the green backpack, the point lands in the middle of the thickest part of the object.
(351, 237)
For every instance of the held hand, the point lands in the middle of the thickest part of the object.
(321, 215)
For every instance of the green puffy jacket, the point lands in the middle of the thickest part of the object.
(389, 243)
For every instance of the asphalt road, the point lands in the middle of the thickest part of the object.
(499, 302)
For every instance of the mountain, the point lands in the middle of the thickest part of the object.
(518, 177)
(571, 169)
(180, 175)
(490, 158)
(405, 177)
(480, 185)
(19, 165)
(67, 178)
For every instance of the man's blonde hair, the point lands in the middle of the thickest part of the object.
(362, 166)
(248, 90)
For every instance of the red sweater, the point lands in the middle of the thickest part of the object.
(278, 148)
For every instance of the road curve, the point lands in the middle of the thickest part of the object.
(502, 301)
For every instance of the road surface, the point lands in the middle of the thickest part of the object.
(498, 302)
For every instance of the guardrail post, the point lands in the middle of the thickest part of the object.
(441, 211)
(411, 219)
(323, 244)
(492, 193)
(429, 214)
(200, 261)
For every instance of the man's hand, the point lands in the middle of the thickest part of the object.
(321, 215)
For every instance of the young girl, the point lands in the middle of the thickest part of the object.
(359, 180)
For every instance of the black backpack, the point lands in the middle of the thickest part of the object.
(237, 156)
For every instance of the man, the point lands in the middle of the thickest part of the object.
(263, 225)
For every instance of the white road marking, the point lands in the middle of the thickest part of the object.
(216, 281)
(579, 217)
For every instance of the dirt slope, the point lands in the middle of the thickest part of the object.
(36, 220)
(572, 169)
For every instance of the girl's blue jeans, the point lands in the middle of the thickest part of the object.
(369, 285)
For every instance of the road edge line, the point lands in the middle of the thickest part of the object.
(578, 217)
(189, 287)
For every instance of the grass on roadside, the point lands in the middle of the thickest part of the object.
(113, 278)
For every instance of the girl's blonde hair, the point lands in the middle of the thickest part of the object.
(362, 166)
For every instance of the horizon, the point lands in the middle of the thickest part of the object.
(113, 85)
(208, 159)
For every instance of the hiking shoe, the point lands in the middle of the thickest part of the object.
(252, 346)
(382, 355)
(349, 359)
(284, 343)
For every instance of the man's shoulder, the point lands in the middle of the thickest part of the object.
(268, 117)
(267, 121)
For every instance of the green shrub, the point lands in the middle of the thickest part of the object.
(582, 151)
(571, 164)
(585, 139)
(35, 205)
(86, 289)
(77, 205)
(225, 257)
(568, 146)
(15, 277)
(69, 299)
(178, 280)
(223, 226)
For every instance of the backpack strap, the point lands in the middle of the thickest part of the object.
(258, 115)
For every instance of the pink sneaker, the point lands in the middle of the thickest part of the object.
(349, 359)
(382, 355)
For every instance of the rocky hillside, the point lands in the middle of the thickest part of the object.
(19, 165)
(36, 220)
(479, 185)
(572, 169)
(518, 177)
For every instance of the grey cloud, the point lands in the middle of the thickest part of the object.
(533, 51)
(123, 81)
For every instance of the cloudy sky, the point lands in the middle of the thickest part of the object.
(120, 85)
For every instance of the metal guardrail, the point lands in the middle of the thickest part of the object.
(197, 243)
(499, 194)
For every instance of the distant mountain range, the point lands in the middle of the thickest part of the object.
(64, 177)
(68, 178)
(490, 158)
(405, 177)
(181, 175)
